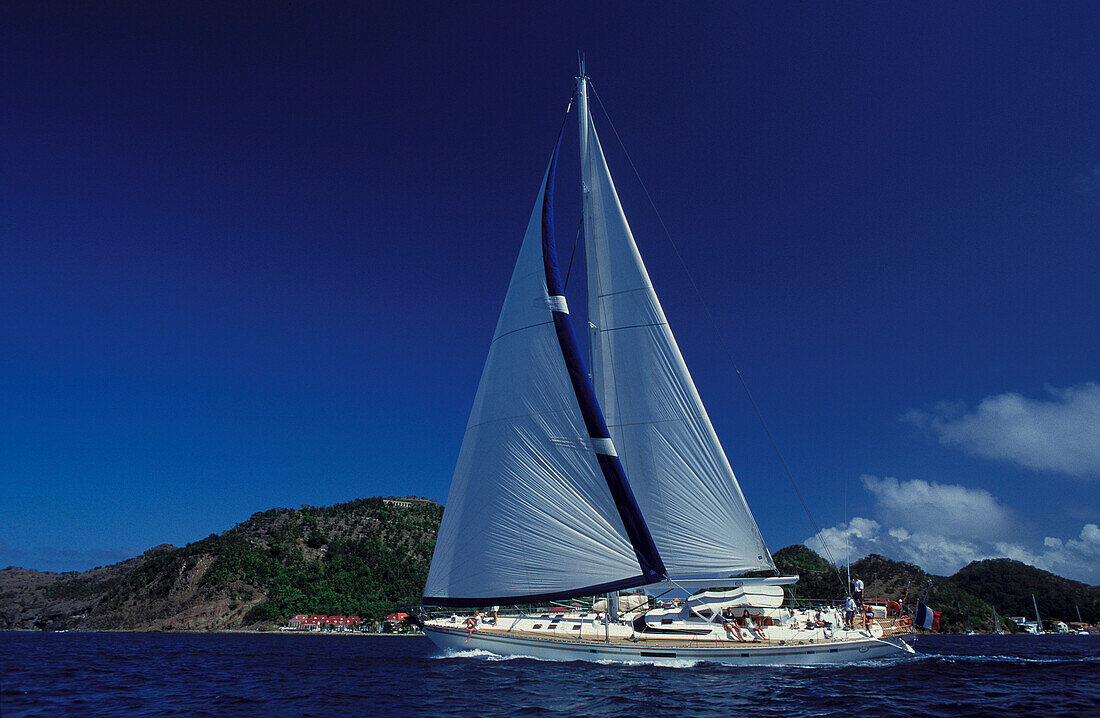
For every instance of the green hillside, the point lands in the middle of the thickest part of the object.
(364, 558)
(1009, 585)
(368, 557)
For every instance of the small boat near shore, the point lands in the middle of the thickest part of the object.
(580, 480)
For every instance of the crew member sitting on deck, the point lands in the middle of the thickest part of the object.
(471, 624)
(732, 629)
(753, 624)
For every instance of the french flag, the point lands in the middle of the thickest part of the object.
(926, 617)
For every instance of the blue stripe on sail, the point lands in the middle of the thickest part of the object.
(536, 597)
(636, 530)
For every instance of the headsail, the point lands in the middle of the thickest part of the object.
(531, 513)
(678, 470)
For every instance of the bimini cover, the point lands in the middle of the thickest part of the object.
(752, 596)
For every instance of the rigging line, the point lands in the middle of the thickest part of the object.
(576, 240)
(721, 340)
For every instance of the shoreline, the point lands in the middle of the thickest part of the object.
(342, 634)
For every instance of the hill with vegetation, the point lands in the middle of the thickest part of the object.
(364, 557)
(368, 557)
(965, 600)
(1009, 585)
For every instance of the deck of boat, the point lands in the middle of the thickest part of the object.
(665, 641)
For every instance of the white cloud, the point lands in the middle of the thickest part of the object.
(1074, 558)
(1059, 434)
(953, 510)
(956, 525)
(858, 536)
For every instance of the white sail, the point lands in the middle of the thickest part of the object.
(680, 475)
(529, 512)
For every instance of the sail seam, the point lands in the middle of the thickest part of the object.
(635, 326)
(625, 291)
(655, 421)
(518, 416)
(513, 331)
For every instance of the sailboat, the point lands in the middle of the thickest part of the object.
(997, 628)
(576, 483)
(1038, 620)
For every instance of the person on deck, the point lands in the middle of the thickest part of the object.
(471, 624)
(753, 624)
(732, 629)
(857, 590)
(849, 613)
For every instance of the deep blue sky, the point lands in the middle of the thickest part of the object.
(252, 257)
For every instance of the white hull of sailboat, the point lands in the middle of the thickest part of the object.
(457, 640)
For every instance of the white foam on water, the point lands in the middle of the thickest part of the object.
(665, 662)
(488, 656)
(995, 658)
(478, 653)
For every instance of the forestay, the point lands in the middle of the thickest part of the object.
(680, 475)
(529, 514)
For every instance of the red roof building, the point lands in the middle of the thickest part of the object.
(303, 622)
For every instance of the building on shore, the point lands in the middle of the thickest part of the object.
(304, 622)
(1026, 625)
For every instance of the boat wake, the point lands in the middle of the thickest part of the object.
(1000, 658)
(483, 655)
(479, 654)
(664, 663)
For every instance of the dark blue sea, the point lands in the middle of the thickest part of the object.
(134, 674)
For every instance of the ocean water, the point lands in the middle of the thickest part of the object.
(134, 674)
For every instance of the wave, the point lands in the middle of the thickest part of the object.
(484, 655)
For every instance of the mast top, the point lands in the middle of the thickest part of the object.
(580, 63)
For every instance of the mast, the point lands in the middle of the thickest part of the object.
(586, 216)
(611, 616)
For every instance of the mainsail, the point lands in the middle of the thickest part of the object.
(680, 475)
(535, 510)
